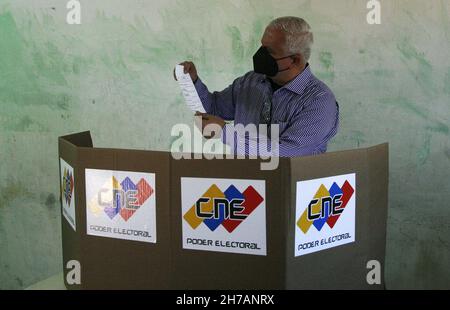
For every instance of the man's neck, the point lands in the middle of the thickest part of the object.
(274, 85)
(291, 78)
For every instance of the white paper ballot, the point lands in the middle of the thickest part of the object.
(188, 89)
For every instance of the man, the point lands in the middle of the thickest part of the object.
(281, 90)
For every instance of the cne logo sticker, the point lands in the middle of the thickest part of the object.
(122, 210)
(229, 208)
(325, 213)
(68, 193)
(125, 199)
(224, 215)
(67, 185)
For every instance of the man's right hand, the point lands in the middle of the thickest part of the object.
(189, 67)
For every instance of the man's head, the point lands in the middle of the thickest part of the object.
(288, 40)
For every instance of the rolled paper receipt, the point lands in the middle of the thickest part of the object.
(188, 89)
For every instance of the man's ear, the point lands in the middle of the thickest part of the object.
(298, 59)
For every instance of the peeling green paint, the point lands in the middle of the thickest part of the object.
(411, 53)
(12, 191)
(447, 153)
(424, 152)
(327, 62)
(26, 73)
(50, 201)
(24, 123)
(326, 58)
(382, 73)
(439, 128)
(236, 44)
(406, 104)
(447, 82)
(358, 138)
(419, 66)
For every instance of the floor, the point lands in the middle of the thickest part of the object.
(55, 282)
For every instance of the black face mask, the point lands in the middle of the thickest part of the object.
(264, 63)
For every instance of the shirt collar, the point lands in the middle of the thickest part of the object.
(298, 84)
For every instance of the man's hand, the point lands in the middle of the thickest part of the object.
(202, 120)
(189, 67)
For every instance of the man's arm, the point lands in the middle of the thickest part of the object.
(307, 130)
(221, 104)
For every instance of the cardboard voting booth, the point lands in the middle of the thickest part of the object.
(144, 220)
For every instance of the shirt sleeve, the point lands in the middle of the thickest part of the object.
(306, 131)
(222, 103)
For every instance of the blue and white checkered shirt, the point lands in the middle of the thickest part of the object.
(305, 110)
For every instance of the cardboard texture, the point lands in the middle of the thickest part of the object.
(253, 228)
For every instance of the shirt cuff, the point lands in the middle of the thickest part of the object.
(202, 92)
(227, 131)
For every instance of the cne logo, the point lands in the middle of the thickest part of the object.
(123, 198)
(67, 186)
(229, 208)
(326, 207)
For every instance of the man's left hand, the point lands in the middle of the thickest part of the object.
(207, 119)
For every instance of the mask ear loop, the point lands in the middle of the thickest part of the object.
(285, 57)
(289, 65)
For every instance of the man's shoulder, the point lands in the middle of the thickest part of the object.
(251, 77)
(317, 90)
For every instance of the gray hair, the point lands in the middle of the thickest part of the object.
(299, 37)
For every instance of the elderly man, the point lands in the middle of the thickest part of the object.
(281, 90)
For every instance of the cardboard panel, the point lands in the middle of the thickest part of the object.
(112, 263)
(379, 191)
(82, 139)
(200, 269)
(70, 238)
(344, 266)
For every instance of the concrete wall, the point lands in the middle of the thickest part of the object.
(113, 75)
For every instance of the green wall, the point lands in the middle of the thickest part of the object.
(113, 75)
